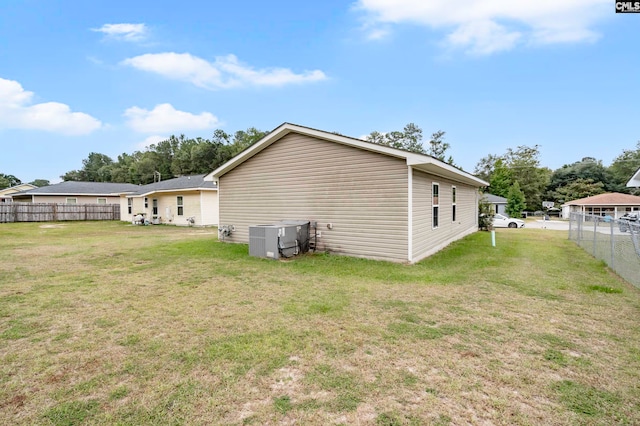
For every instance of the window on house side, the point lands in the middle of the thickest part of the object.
(453, 204)
(435, 202)
(180, 205)
(72, 201)
(102, 201)
(129, 205)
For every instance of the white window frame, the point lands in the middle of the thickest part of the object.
(68, 200)
(129, 205)
(454, 194)
(146, 203)
(435, 205)
(154, 208)
(180, 205)
(101, 201)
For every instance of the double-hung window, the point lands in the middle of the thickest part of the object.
(129, 205)
(435, 203)
(453, 203)
(180, 203)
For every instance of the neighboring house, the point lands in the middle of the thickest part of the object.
(368, 200)
(612, 204)
(186, 200)
(634, 182)
(498, 204)
(71, 192)
(6, 193)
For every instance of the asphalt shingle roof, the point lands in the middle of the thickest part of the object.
(183, 182)
(78, 188)
(609, 199)
(495, 198)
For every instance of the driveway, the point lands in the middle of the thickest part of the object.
(556, 225)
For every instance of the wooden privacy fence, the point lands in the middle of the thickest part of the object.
(52, 212)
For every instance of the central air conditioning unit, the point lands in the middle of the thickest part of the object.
(286, 238)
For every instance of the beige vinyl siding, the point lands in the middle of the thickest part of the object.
(363, 195)
(168, 207)
(427, 240)
(209, 207)
(138, 207)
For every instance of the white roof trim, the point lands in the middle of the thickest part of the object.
(634, 182)
(129, 195)
(418, 161)
(70, 194)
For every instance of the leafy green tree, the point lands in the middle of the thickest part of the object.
(243, 139)
(515, 201)
(7, 181)
(523, 164)
(95, 168)
(485, 214)
(500, 181)
(577, 189)
(438, 147)
(409, 139)
(486, 166)
(588, 169)
(40, 183)
(623, 167)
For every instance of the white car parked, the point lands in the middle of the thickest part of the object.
(502, 221)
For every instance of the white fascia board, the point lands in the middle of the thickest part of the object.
(412, 159)
(75, 194)
(634, 182)
(172, 190)
(440, 168)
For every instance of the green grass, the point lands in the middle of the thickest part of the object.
(105, 323)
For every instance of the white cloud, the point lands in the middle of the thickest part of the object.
(125, 32)
(488, 26)
(225, 72)
(17, 113)
(483, 37)
(164, 118)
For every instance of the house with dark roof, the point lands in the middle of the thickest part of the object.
(498, 204)
(71, 192)
(366, 200)
(611, 204)
(185, 200)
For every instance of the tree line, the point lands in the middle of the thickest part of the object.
(176, 156)
(516, 174)
(519, 169)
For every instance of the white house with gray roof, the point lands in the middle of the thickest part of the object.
(498, 204)
(185, 200)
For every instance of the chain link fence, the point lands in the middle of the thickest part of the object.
(616, 241)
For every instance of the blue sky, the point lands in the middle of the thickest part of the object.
(114, 76)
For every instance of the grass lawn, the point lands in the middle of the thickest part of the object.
(107, 323)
